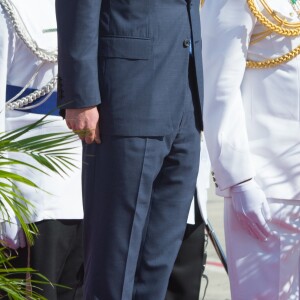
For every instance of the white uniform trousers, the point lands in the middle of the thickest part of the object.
(265, 270)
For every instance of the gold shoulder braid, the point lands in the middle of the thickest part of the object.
(282, 27)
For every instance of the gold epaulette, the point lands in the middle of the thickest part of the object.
(273, 24)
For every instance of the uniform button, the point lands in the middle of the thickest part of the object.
(186, 43)
(216, 185)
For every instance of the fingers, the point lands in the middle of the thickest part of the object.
(85, 123)
(19, 241)
(252, 230)
(263, 232)
(266, 211)
(89, 135)
(22, 239)
(262, 227)
(9, 243)
(255, 224)
(97, 135)
(252, 209)
(9, 235)
(259, 232)
(256, 227)
(69, 124)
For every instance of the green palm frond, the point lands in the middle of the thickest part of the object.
(19, 283)
(17, 288)
(51, 151)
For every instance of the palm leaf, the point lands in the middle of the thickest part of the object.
(51, 151)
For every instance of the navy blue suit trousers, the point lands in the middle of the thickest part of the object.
(137, 194)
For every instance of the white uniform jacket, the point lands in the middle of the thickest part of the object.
(251, 116)
(60, 196)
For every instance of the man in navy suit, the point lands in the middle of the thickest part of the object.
(130, 84)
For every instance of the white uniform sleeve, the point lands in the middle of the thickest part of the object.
(226, 30)
(4, 42)
(6, 53)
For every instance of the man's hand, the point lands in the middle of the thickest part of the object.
(12, 235)
(85, 123)
(252, 209)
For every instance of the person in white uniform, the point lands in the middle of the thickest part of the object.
(252, 125)
(28, 69)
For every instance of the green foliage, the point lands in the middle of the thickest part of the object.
(51, 151)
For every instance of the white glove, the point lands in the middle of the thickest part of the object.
(12, 235)
(252, 209)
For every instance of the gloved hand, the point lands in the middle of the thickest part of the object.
(12, 235)
(252, 209)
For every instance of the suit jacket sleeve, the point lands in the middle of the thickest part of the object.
(226, 31)
(78, 36)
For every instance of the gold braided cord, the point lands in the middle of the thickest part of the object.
(271, 63)
(275, 16)
(279, 29)
(257, 37)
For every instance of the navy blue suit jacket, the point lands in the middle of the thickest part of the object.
(130, 57)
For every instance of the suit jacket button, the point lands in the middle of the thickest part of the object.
(186, 43)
